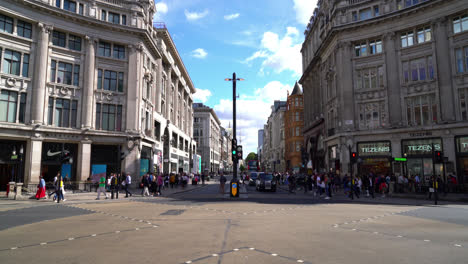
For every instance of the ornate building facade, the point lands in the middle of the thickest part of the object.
(273, 139)
(387, 79)
(96, 78)
(293, 127)
(207, 134)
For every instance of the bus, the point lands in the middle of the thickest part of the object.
(253, 165)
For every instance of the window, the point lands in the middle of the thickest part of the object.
(148, 90)
(81, 9)
(407, 39)
(53, 69)
(24, 29)
(109, 117)
(22, 108)
(119, 51)
(59, 38)
(399, 4)
(58, 3)
(297, 116)
(371, 115)
(8, 104)
(376, 11)
(418, 70)
(64, 73)
(461, 57)
(11, 62)
(25, 72)
(112, 81)
(63, 113)
(375, 47)
(114, 18)
(460, 24)
(103, 15)
(74, 42)
(157, 130)
(6, 24)
(365, 14)
(370, 78)
(76, 75)
(424, 35)
(124, 20)
(463, 98)
(104, 49)
(297, 131)
(69, 5)
(355, 17)
(421, 110)
(361, 50)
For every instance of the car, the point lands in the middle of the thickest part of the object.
(253, 177)
(265, 181)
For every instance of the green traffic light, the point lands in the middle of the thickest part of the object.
(233, 152)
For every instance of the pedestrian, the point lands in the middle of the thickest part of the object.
(145, 182)
(41, 189)
(292, 183)
(58, 188)
(370, 185)
(160, 183)
(127, 182)
(54, 192)
(102, 187)
(114, 186)
(222, 182)
(203, 178)
(172, 179)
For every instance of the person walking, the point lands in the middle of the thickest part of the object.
(102, 187)
(58, 188)
(370, 185)
(172, 180)
(41, 189)
(222, 182)
(127, 182)
(114, 186)
(160, 183)
(145, 182)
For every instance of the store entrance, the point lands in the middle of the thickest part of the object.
(8, 172)
(424, 169)
(376, 166)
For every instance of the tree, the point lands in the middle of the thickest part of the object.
(251, 156)
(242, 168)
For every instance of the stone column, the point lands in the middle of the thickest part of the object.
(88, 87)
(168, 92)
(159, 80)
(444, 73)
(345, 91)
(84, 162)
(393, 80)
(133, 88)
(176, 102)
(40, 74)
(33, 159)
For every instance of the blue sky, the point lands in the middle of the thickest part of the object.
(260, 40)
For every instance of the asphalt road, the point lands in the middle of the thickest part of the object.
(204, 226)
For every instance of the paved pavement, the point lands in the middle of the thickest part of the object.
(203, 226)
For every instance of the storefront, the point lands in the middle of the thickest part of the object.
(333, 159)
(419, 157)
(105, 159)
(51, 161)
(145, 161)
(158, 161)
(375, 158)
(11, 162)
(462, 159)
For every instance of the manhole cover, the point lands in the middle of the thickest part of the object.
(173, 212)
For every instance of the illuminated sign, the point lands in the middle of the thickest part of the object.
(374, 149)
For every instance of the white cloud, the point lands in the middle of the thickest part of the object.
(304, 10)
(199, 53)
(252, 112)
(161, 7)
(201, 95)
(194, 15)
(231, 16)
(280, 54)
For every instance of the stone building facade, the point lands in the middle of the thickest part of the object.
(96, 78)
(273, 140)
(225, 150)
(294, 125)
(207, 133)
(387, 79)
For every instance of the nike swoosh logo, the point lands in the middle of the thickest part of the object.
(50, 154)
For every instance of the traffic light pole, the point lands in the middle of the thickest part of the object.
(234, 171)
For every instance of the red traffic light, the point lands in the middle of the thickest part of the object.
(353, 154)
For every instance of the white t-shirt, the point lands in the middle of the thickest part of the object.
(318, 181)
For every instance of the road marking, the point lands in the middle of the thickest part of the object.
(427, 240)
(458, 245)
(188, 262)
(137, 228)
(71, 238)
(43, 243)
(399, 236)
(376, 232)
(236, 249)
(155, 226)
(93, 235)
(251, 248)
(214, 255)
(354, 229)
(300, 261)
(13, 248)
(274, 254)
(117, 231)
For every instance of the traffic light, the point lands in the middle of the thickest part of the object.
(234, 149)
(239, 152)
(353, 157)
(438, 157)
(66, 157)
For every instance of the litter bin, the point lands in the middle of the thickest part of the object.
(234, 188)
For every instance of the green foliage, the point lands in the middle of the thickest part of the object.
(242, 168)
(251, 156)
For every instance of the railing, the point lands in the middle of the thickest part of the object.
(159, 25)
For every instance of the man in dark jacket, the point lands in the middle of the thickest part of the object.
(114, 186)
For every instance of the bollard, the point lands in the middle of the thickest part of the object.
(19, 187)
(11, 192)
(234, 187)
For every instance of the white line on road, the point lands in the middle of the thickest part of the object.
(251, 248)
(300, 261)
(214, 255)
(93, 235)
(427, 240)
(274, 254)
(43, 243)
(13, 248)
(458, 245)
